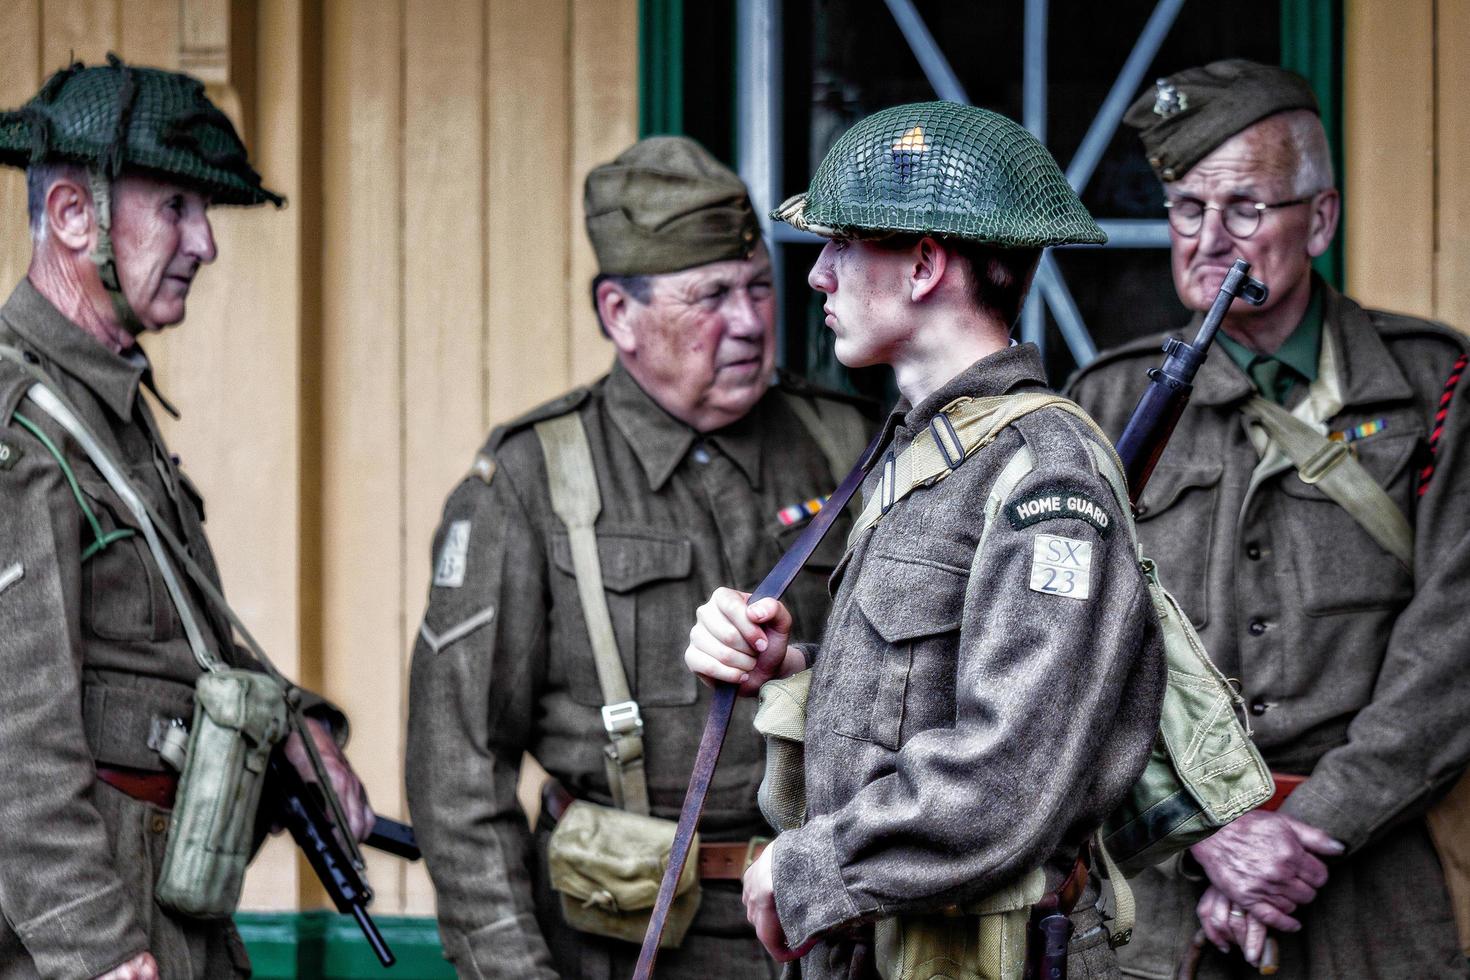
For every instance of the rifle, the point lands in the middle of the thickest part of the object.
(297, 804)
(1143, 441)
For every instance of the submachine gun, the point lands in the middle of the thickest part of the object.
(1143, 441)
(300, 806)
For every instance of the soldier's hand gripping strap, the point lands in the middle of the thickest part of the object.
(577, 502)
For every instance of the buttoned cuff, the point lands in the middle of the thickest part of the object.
(85, 937)
(810, 894)
(510, 947)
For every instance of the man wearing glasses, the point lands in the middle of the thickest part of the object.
(1310, 514)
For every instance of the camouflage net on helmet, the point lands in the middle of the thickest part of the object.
(116, 116)
(946, 169)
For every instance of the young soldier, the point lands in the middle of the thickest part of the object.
(1350, 648)
(977, 706)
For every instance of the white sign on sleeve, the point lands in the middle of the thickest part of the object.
(453, 555)
(1061, 566)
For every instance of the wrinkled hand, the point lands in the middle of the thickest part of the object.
(1267, 864)
(349, 788)
(140, 967)
(1226, 925)
(759, 895)
(741, 644)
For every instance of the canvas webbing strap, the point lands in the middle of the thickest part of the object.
(156, 533)
(960, 429)
(1331, 467)
(1125, 909)
(840, 434)
(577, 502)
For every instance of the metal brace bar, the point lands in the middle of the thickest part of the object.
(1064, 309)
(932, 61)
(1105, 123)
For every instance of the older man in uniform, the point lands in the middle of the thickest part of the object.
(704, 472)
(122, 165)
(1341, 612)
(989, 683)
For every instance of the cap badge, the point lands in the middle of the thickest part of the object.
(908, 150)
(1169, 100)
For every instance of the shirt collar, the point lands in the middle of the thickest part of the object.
(661, 442)
(114, 378)
(1298, 355)
(1368, 372)
(1017, 366)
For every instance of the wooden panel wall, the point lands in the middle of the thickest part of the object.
(455, 137)
(1407, 181)
(346, 356)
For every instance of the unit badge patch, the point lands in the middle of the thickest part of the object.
(1052, 503)
(1061, 566)
(453, 554)
(10, 454)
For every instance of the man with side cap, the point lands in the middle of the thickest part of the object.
(703, 469)
(1348, 642)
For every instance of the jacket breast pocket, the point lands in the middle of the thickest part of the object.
(1176, 525)
(651, 597)
(124, 596)
(1340, 567)
(911, 611)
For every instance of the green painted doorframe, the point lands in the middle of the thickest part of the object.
(1311, 44)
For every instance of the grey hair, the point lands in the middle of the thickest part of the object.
(39, 178)
(1313, 157)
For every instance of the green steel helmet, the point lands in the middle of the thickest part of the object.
(942, 168)
(115, 116)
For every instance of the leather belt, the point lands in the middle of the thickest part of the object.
(1285, 786)
(158, 788)
(717, 862)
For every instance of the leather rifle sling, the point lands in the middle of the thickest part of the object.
(722, 705)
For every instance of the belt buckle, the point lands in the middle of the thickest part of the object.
(621, 718)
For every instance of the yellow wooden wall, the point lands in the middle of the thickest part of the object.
(346, 356)
(1407, 133)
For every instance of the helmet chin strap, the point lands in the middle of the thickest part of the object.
(104, 257)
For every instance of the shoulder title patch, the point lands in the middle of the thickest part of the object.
(1056, 502)
(10, 454)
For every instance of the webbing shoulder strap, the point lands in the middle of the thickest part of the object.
(840, 434)
(577, 502)
(1331, 467)
(958, 431)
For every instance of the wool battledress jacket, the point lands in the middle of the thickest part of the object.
(1353, 667)
(971, 719)
(503, 664)
(93, 658)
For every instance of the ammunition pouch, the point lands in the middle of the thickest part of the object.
(781, 721)
(982, 941)
(607, 864)
(239, 717)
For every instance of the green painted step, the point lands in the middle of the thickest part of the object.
(322, 945)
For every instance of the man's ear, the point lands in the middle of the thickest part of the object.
(615, 308)
(930, 262)
(70, 215)
(1326, 210)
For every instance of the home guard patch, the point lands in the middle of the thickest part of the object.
(1051, 503)
(1061, 566)
(449, 569)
